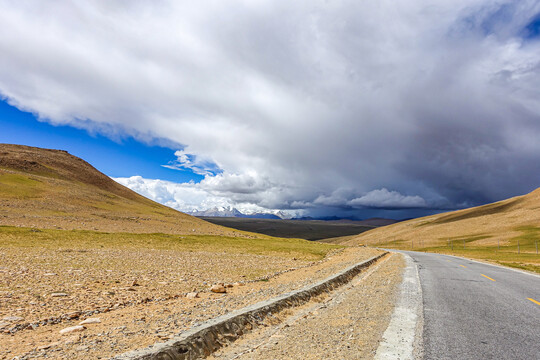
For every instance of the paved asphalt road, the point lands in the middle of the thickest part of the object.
(477, 311)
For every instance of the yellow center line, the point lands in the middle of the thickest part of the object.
(463, 266)
(487, 277)
(534, 301)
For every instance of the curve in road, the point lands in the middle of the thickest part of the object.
(477, 311)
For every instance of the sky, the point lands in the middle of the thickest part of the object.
(317, 108)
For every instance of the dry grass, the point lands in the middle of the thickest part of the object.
(490, 232)
(51, 189)
(96, 269)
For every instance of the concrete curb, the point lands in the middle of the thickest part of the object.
(213, 334)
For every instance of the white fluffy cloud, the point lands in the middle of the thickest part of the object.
(305, 104)
(190, 197)
(198, 164)
(388, 199)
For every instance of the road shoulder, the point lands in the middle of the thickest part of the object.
(403, 337)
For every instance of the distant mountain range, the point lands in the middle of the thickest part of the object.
(234, 212)
(231, 212)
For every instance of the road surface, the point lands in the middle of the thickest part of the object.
(477, 311)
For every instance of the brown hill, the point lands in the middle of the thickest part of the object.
(500, 224)
(52, 189)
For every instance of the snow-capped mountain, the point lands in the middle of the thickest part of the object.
(233, 212)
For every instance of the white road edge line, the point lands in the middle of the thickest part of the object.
(403, 337)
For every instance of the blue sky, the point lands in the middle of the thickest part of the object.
(121, 158)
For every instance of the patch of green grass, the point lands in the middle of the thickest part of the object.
(469, 238)
(15, 186)
(529, 267)
(79, 240)
(529, 235)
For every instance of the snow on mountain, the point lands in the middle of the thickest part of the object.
(233, 212)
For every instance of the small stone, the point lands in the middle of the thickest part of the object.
(74, 315)
(90, 321)
(229, 285)
(59, 294)
(12, 318)
(72, 329)
(163, 336)
(47, 346)
(218, 289)
(3, 324)
(135, 283)
(49, 274)
(131, 289)
(192, 295)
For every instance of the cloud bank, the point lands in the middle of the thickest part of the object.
(313, 105)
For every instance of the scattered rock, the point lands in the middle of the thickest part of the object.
(163, 336)
(47, 346)
(192, 295)
(229, 285)
(135, 283)
(3, 324)
(74, 315)
(218, 288)
(59, 294)
(72, 329)
(90, 321)
(49, 274)
(12, 318)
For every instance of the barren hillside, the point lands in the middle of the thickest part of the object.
(507, 232)
(501, 221)
(52, 189)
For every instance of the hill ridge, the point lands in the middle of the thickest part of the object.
(49, 188)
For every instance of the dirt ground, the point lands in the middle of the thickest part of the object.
(347, 323)
(140, 303)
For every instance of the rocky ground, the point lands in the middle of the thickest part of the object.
(131, 299)
(345, 324)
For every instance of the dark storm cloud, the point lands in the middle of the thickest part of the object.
(326, 107)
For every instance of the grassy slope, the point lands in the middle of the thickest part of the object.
(489, 232)
(52, 189)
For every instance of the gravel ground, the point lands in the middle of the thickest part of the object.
(128, 319)
(347, 324)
